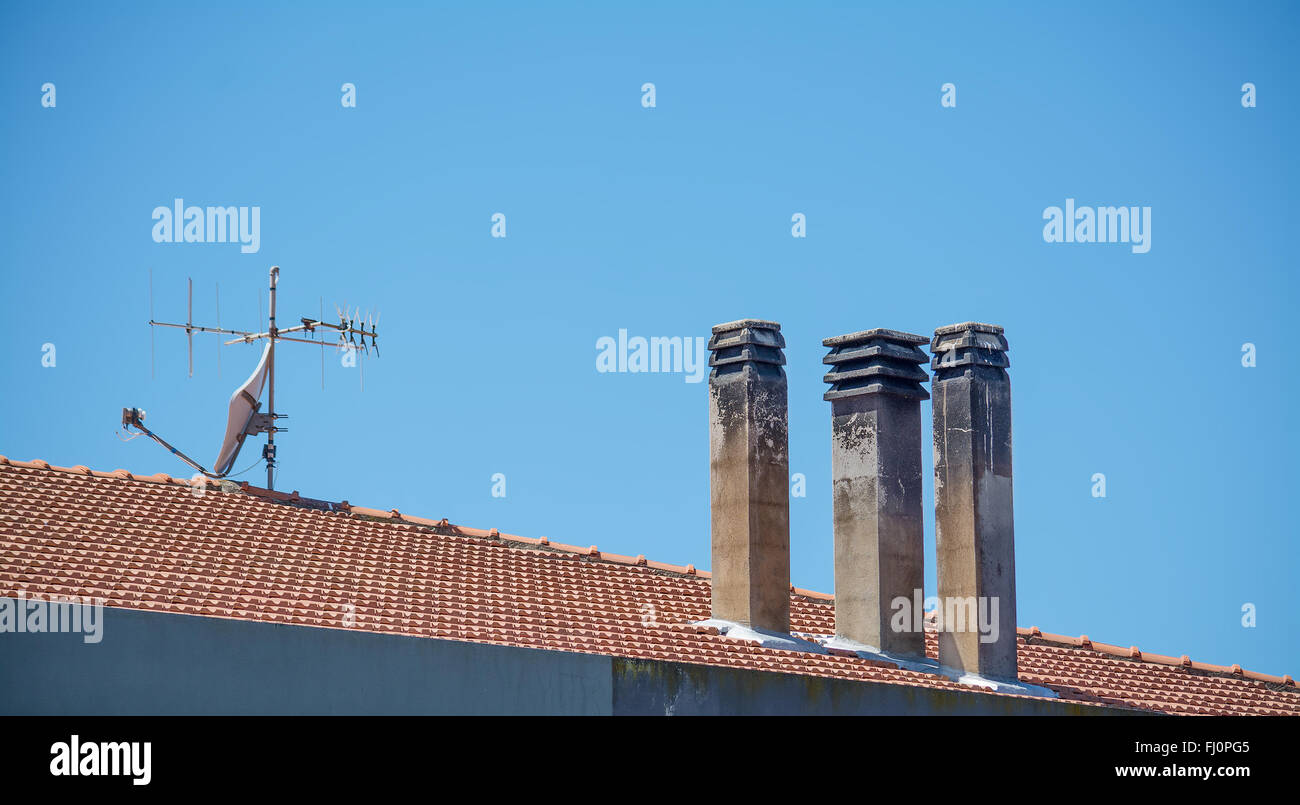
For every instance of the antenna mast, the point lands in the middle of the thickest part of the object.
(245, 419)
(268, 451)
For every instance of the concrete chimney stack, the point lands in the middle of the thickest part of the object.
(876, 445)
(749, 475)
(974, 527)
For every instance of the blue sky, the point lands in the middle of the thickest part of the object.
(664, 221)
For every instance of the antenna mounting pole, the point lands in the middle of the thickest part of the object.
(268, 452)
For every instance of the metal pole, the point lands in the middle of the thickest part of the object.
(189, 327)
(270, 399)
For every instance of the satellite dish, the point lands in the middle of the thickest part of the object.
(244, 405)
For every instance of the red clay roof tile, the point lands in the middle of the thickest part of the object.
(147, 543)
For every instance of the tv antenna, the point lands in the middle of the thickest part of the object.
(246, 417)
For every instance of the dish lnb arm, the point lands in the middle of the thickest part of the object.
(134, 418)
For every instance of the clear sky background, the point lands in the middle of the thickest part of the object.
(666, 221)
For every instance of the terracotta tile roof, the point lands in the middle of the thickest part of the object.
(152, 543)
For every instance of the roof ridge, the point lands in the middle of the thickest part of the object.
(1031, 633)
(390, 514)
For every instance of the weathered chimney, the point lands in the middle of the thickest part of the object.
(875, 398)
(749, 475)
(974, 528)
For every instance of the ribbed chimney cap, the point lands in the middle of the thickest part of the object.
(758, 324)
(879, 332)
(969, 326)
(970, 335)
(878, 361)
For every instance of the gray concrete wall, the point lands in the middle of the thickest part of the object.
(645, 687)
(152, 663)
(156, 663)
